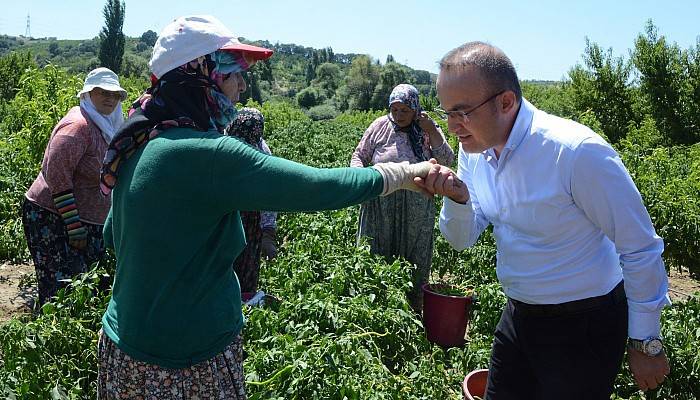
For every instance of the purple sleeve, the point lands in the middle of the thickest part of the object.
(362, 156)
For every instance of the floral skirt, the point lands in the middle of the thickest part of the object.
(55, 261)
(122, 377)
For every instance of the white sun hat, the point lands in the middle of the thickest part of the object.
(102, 78)
(189, 37)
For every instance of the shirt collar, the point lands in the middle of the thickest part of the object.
(521, 127)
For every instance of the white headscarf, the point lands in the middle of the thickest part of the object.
(108, 124)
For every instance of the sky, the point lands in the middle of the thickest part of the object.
(544, 39)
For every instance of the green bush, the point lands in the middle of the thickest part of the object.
(667, 178)
(41, 101)
(322, 112)
(54, 355)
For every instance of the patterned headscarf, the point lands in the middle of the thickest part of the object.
(248, 125)
(187, 96)
(408, 95)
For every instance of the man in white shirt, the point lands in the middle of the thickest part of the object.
(578, 256)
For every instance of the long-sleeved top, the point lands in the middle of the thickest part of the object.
(72, 162)
(569, 222)
(382, 143)
(175, 228)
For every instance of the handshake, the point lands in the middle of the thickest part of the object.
(428, 177)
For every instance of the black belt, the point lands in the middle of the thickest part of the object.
(614, 297)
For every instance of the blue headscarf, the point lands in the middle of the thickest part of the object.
(408, 95)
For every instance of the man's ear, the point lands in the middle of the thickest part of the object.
(507, 102)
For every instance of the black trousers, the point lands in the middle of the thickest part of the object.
(565, 351)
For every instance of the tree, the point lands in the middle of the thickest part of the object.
(255, 92)
(421, 77)
(669, 81)
(603, 87)
(54, 50)
(309, 97)
(310, 73)
(361, 80)
(12, 67)
(265, 69)
(392, 74)
(134, 66)
(149, 37)
(327, 78)
(111, 36)
(390, 59)
(315, 60)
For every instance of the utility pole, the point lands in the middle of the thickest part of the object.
(27, 31)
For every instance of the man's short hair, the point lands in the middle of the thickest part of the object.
(492, 63)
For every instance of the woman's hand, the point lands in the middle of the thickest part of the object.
(268, 243)
(426, 123)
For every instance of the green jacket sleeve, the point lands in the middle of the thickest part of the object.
(245, 179)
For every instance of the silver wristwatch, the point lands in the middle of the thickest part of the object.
(651, 346)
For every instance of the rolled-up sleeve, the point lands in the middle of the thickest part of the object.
(362, 156)
(443, 154)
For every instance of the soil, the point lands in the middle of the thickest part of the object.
(18, 288)
(682, 286)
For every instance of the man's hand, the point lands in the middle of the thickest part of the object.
(443, 181)
(648, 372)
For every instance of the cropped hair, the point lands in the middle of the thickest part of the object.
(493, 64)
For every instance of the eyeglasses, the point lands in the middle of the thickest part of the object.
(464, 115)
(108, 93)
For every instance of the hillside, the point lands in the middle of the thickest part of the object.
(323, 82)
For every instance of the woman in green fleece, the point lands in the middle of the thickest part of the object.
(173, 326)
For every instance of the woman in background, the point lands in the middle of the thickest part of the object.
(401, 224)
(260, 226)
(64, 211)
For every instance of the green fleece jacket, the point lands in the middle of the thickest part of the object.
(175, 228)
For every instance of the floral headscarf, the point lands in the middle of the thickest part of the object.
(408, 95)
(187, 96)
(248, 125)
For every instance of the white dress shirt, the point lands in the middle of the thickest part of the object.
(568, 221)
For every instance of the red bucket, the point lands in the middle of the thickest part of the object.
(445, 317)
(475, 384)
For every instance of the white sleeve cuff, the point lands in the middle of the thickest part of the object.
(644, 324)
(457, 210)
